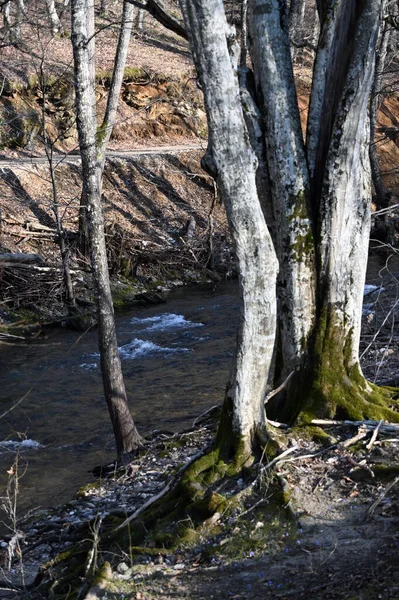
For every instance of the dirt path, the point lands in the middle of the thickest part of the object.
(74, 157)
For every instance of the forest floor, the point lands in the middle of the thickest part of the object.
(335, 538)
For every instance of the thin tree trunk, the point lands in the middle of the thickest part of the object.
(106, 128)
(55, 22)
(140, 19)
(244, 33)
(235, 165)
(7, 21)
(19, 18)
(104, 8)
(115, 88)
(126, 436)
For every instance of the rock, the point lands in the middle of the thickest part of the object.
(122, 568)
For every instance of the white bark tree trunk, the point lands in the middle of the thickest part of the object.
(7, 21)
(126, 435)
(107, 126)
(270, 54)
(54, 19)
(235, 165)
(345, 191)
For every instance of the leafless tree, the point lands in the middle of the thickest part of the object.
(320, 193)
(126, 435)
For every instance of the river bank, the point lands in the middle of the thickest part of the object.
(334, 537)
(164, 228)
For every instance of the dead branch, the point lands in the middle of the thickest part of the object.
(368, 424)
(9, 257)
(380, 498)
(280, 387)
(361, 434)
(374, 436)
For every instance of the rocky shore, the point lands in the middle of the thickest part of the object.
(322, 526)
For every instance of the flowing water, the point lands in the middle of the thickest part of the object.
(175, 359)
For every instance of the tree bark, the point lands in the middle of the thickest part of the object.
(382, 194)
(118, 72)
(126, 435)
(157, 10)
(54, 19)
(105, 131)
(235, 166)
(286, 159)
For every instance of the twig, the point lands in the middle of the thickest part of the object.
(380, 498)
(279, 458)
(374, 436)
(280, 387)
(205, 413)
(164, 491)
(361, 434)
(277, 424)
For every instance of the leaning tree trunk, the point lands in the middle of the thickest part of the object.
(270, 54)
(105, 131)
(118, 72)
(234, 164)
(126, 435)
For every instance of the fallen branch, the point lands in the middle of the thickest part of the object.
(380, 498)
(361, 434)
(9, 257)
(384, 428)
(164, 491)
(374, 436)
(279, 458)
(280, 387)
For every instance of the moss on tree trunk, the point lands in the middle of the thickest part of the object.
(330, 385)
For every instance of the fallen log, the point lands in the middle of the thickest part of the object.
(367, 424)
(10, 258)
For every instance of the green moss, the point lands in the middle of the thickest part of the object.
(131, 74)
(328, 386)
(385, 472)
(87, 489)
(103, 574)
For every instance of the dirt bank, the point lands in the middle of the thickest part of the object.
(163, 223)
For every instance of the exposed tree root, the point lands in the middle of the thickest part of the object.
(187, 510)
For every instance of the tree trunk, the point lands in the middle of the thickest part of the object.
(139, 22)
(55, 22)
(105, 131)
(104, 8)
(118, 72)
(286, 159)
(126, 435)
(19, 18)
(382, 194)
(338, 143)
(235, 165)
(7, 22)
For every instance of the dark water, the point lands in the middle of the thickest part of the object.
(175, 360)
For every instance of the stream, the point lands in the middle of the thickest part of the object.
(175, 358)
